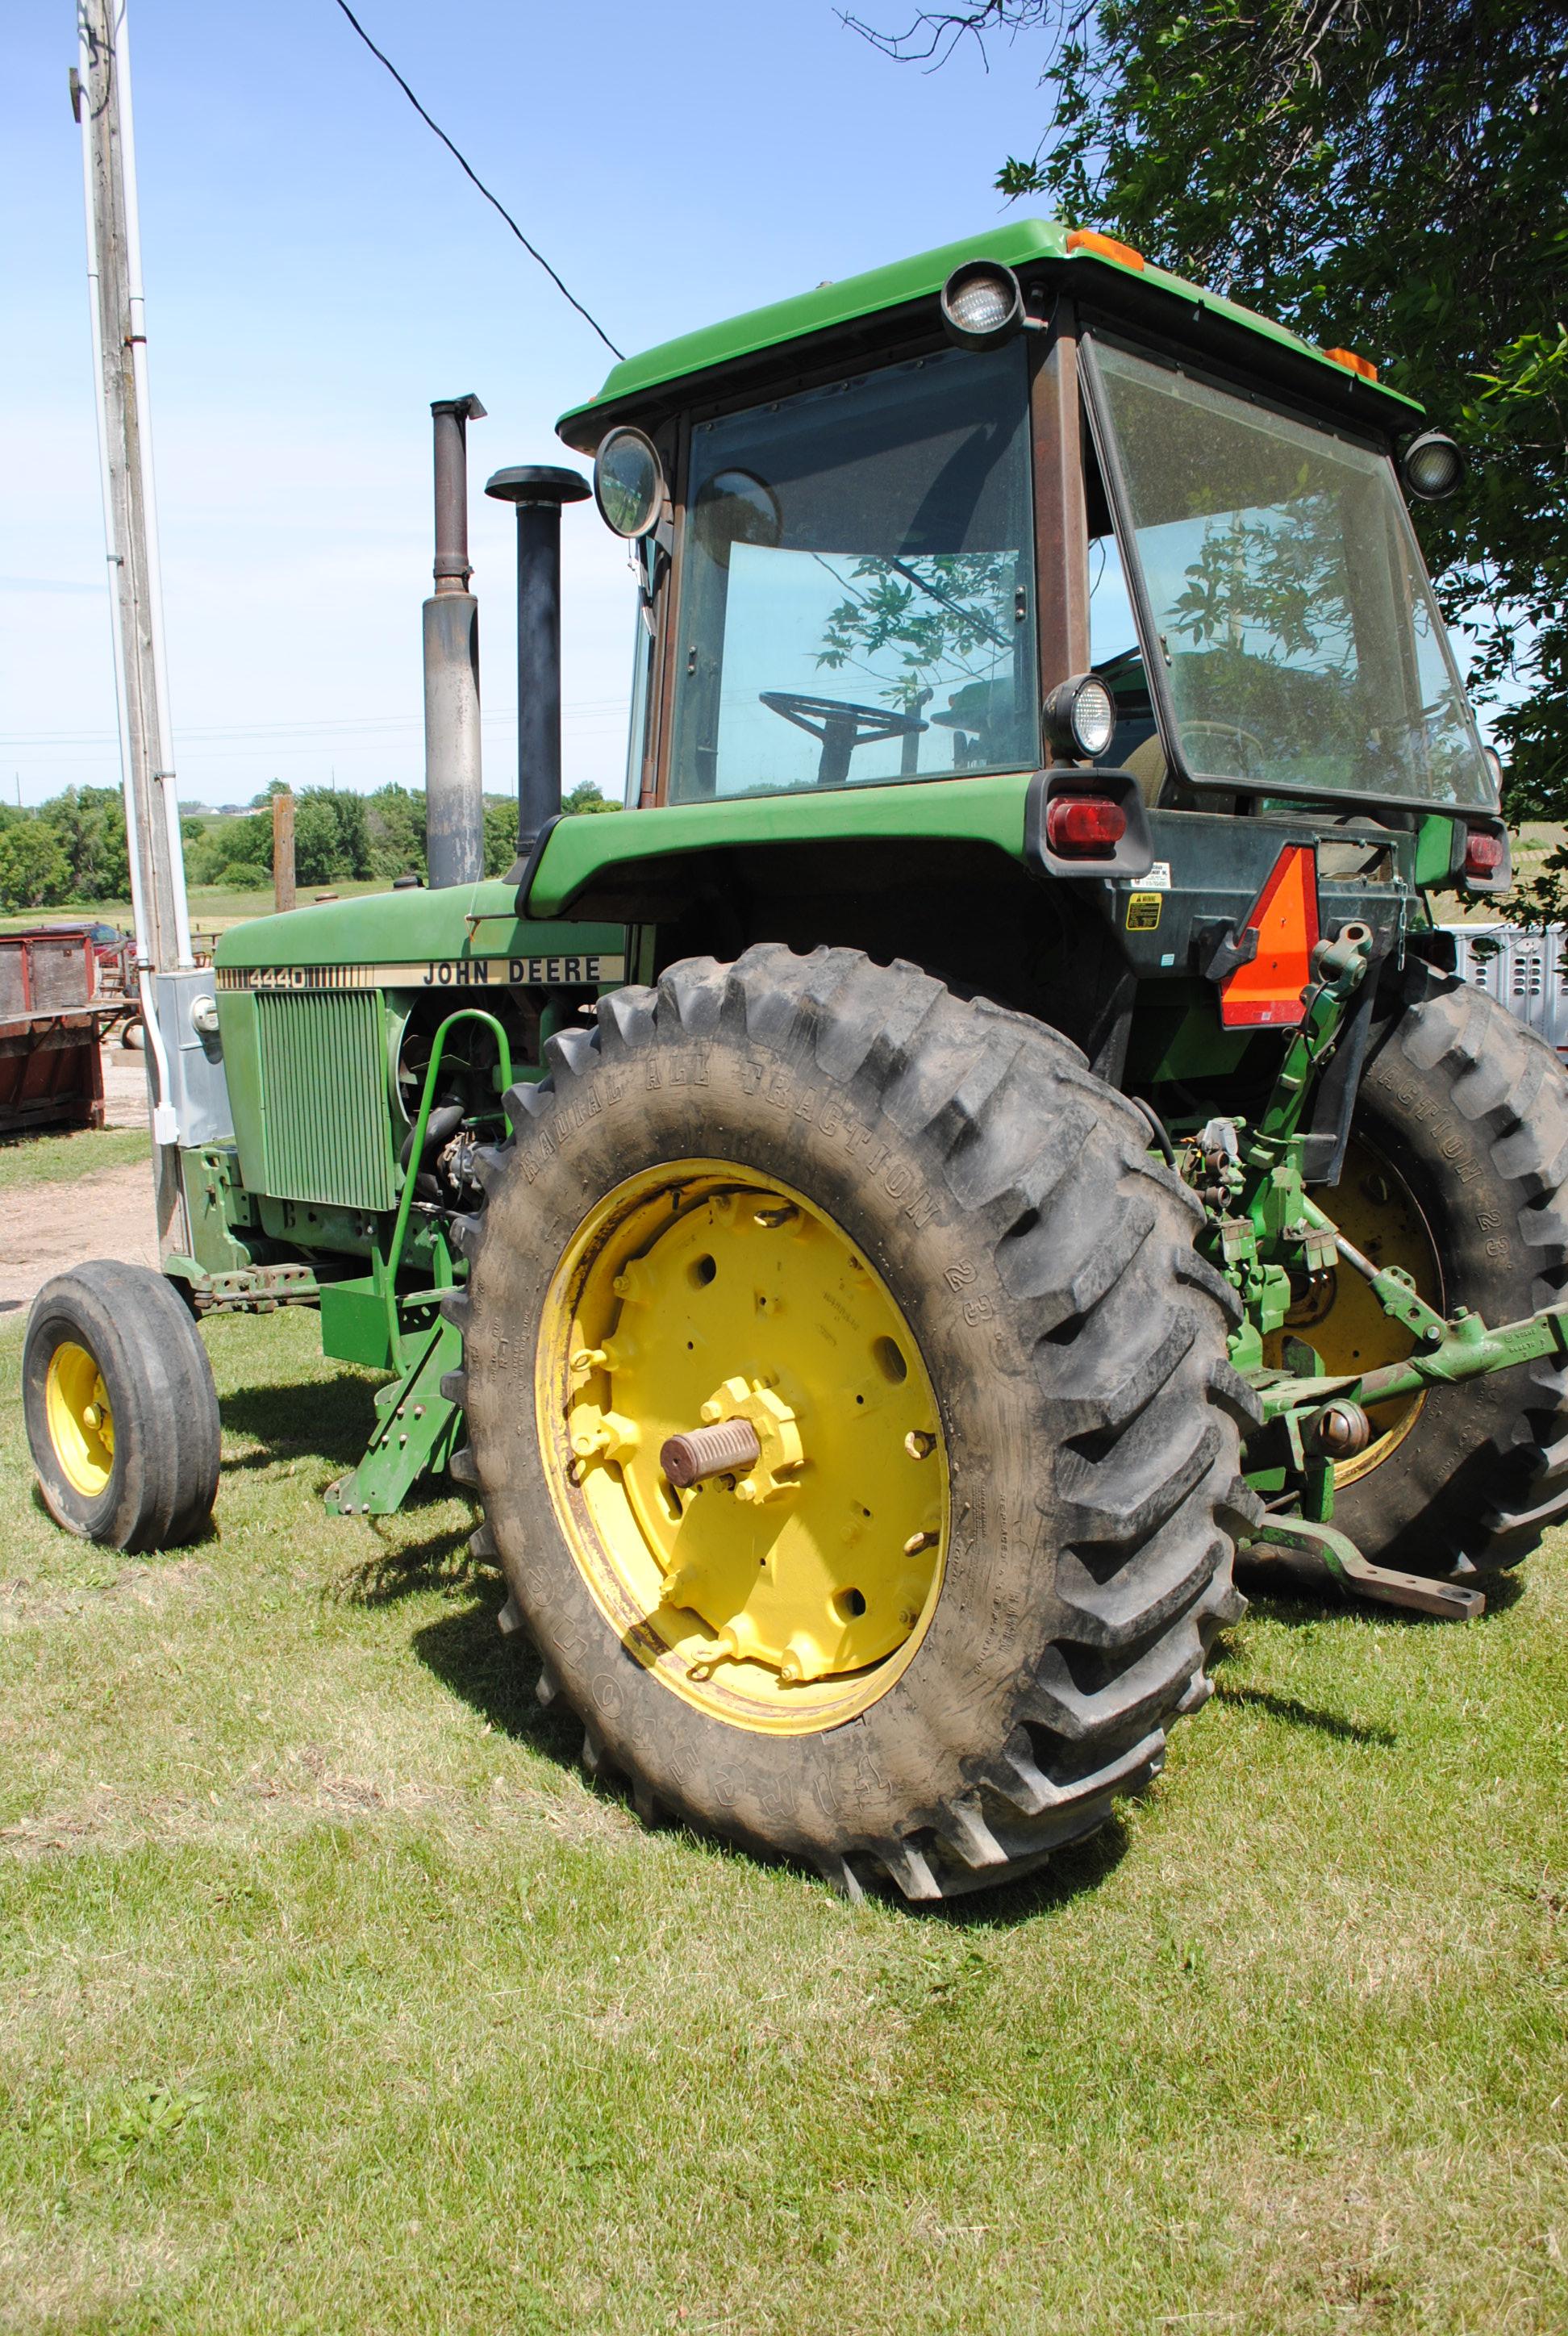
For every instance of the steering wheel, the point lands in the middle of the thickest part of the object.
(840, 725)
(1229, 732)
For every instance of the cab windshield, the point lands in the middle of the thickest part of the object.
(857, 593)
(1296, 646)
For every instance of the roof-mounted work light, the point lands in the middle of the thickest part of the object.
(982, 304)
(1432, 466)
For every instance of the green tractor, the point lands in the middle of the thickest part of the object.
(988, 1135)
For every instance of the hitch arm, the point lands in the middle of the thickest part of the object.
(1468, 1350)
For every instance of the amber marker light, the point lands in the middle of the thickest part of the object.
(1104, 246)
(1353, 363)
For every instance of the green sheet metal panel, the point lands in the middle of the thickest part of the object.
(326, 1133)
(1014, 242)
(986, 810)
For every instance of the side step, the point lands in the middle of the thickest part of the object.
(1319, 1553)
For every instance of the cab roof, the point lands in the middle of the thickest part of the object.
(1176, 311)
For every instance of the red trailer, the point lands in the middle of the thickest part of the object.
(51, 1008)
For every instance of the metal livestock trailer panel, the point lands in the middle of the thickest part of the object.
(1524, 967)
(51, 1071)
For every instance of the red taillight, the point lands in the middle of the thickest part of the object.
(1483, 853)
(1084, 827)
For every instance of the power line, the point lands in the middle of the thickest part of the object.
(464, 165)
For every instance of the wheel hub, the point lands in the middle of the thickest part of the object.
(81, 1418)
(757, 1467)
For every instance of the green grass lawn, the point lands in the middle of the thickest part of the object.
(67, 1152)
(333, 1998)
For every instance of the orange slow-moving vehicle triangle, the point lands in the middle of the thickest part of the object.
(1285, 914)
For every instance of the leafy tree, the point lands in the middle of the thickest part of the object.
(233, 851)
(89, 825)
(1385, 174)
(35, 872)
(500, 833)
(395, 831)
(331, 837)
(586, 796)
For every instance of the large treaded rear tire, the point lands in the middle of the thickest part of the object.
(1076, 1346)
(1471, 1107)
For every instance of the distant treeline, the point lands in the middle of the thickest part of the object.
(72, 849)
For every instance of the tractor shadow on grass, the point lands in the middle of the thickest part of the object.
(331, 1418)
(497, 1677)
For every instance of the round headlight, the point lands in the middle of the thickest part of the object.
(981, 303)
(1433, 466)
(628, 482)
(1081, 716)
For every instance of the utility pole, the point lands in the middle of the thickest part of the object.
(101, 98)
(282, 852)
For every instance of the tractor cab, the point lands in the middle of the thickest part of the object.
(1029, 501)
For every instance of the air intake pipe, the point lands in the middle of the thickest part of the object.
(453, 780)
(538, 490)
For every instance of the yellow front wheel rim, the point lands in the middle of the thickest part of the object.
(788, 1594)
(81, 1420)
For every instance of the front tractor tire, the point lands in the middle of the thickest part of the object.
(972, 1538)
(121, 1409)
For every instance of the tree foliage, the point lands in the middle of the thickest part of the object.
(1387, 175)
(35, 872)
(72, 850)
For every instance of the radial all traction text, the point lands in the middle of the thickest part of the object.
(585, 970)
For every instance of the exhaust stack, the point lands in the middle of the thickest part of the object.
(538, 490)
(453, 781)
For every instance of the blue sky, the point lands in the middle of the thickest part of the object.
(317, 270)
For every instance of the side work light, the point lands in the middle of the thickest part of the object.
(1432, 466)
(1081, 717)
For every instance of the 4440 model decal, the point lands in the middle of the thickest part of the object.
(585, 970)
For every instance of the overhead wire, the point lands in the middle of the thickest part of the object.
(532, 250)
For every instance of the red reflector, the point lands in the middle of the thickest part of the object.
(1084, 827)
(1483, 853)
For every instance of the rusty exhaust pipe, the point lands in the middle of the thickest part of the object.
(454, 776)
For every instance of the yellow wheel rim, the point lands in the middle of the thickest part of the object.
(81, 1422)
(1338, 1316)
(788, 1594)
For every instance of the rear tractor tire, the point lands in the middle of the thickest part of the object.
(121, 1409)
(1457, 1169)
(903, 1278)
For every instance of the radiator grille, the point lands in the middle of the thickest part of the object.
(324, 1098)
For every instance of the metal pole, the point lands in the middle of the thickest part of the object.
(282, 852)
(101, 98)
(119, 350)
(538, 490)
(453, 780)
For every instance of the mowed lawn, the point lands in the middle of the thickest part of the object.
(333, 1997)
